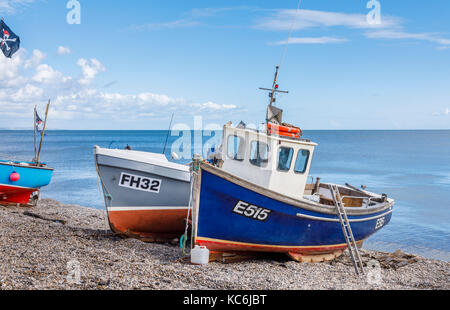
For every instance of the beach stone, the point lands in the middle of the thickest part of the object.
(35, 254)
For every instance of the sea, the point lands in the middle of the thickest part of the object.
(413, 167)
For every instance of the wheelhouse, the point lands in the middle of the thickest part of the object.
(274, 162)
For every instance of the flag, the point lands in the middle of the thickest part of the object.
(39, 121)
(9, 41)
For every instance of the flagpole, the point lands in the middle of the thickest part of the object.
(42, 133)
(35, 146)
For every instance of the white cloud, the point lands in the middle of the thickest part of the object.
(28, 93)
(181, 23)
(46, 74)
(445, 112)
(149, 98)
(208, 12)
(63, 50)
(401, 35)
(89, 68)
(10, 69)
(190, 19)
(35, 60)
(112, 105)
(10, 6)
(311, 40)
(282, 20)
(389, 28)
(213, 106)
(25, 81)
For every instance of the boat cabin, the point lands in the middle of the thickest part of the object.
(274, 162)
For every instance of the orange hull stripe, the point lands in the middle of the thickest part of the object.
(148, 222)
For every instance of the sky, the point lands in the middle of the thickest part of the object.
(131, 64)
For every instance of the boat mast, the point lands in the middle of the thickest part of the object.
(35, 146)
(42, 133)
(273, 91)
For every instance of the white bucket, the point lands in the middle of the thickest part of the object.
(200, 255)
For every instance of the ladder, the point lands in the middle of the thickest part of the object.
(347, 230)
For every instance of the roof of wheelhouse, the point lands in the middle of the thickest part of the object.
(228, 127)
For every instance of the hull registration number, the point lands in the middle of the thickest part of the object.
(140, 183)
(251, 211)
(380, 223)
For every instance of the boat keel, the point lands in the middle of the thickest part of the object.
(318, 258)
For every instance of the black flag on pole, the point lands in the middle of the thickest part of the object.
(39, 121)
(9, 41)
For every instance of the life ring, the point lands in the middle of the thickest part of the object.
(285, 131)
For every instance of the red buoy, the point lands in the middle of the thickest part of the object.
(14, 177)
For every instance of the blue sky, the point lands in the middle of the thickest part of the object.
(130, 64)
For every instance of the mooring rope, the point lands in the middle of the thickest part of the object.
(184, 237)
(105, 193)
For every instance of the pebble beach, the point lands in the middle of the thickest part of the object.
(58, 246)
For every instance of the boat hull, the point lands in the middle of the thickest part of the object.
(15, 194)
(32, 178)
(148, 215)
(227, 220)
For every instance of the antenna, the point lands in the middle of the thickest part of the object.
(274, 90)
(168, 132)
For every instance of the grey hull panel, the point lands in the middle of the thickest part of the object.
(174, 190)
(156, 169)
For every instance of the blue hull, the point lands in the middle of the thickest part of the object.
(234, 217)
(30, 177)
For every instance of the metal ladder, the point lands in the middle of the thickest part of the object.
(347, 230)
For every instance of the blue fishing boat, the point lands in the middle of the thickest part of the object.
(253, 195)
(21, 181)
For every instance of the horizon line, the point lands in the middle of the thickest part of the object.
(47, 130)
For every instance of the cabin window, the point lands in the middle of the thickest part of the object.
(285, 155)
(259, 154)
(302, 161)
(236, 148)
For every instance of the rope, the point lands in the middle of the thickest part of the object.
(185, 235)
(168, 133)
(106, 195)
(290, 33)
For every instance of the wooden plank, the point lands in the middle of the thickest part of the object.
(319, 258)
(309, 187)
(352, 202)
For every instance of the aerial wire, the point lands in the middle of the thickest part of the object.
(290, 33)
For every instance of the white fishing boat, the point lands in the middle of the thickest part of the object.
(146, 195)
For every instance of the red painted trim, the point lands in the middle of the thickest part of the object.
(14, 194)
